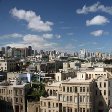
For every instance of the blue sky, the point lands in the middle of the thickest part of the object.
(65, 25)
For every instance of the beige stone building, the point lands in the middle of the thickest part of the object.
(90, 91)
(8, 65)
(14, 95)
(33, 106)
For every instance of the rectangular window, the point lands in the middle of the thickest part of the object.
(70, 89)
(63, 88)
(21, 92)
(80, 98)
(83, 89)
(75, 110)
(48, 104)
(80, 89)
(70, 98)
(83, 109)
(64, 98)
(75, 99)
(16, 100)
(100, 84)
(104, 92)
(104, 84)
(75, 89)
(60, 97)
(84, 99)
(80, 109)
(67, 98)
(87, 110)
(64, 109)
(21, 100)
(67, 89)
(56, 104)
(87, 89)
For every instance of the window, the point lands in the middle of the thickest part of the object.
(16, 100)
(70, 89)
(104, 92)
(104, 84)
(80, 109)
(80, 89)
(67, 89)
(75, 110)
(87, 110)
(64, 98)
(87, 98)
(84, 99)
(21, 92)
(48, 104)
(9, 91)
(83, 109)
(21, 108)
(100, 84)
(83, 89)
(64, 109)
(67, 98)
(75, 89)
(56, 104)
(75, 99)
(70, 98)
(21, 100)
(60, 97)
(63, 88)
(87, 76)
(80, 98)
(16, 92)
(87, 89)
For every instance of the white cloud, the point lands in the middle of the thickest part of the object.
(36, 41)
(94, 8)
(34, 21)
(58, 36)
(97, 33)
(97, 20)
(13, 35)
(48, 36)
(17, 45)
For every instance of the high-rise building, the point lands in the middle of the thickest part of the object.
(29, 50)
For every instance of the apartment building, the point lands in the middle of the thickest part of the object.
(9, 65)
(13, 96)
(90, 91)
(72, 95)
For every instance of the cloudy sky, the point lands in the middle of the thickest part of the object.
(67, 25)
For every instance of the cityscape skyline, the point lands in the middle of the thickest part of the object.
(60, 25)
